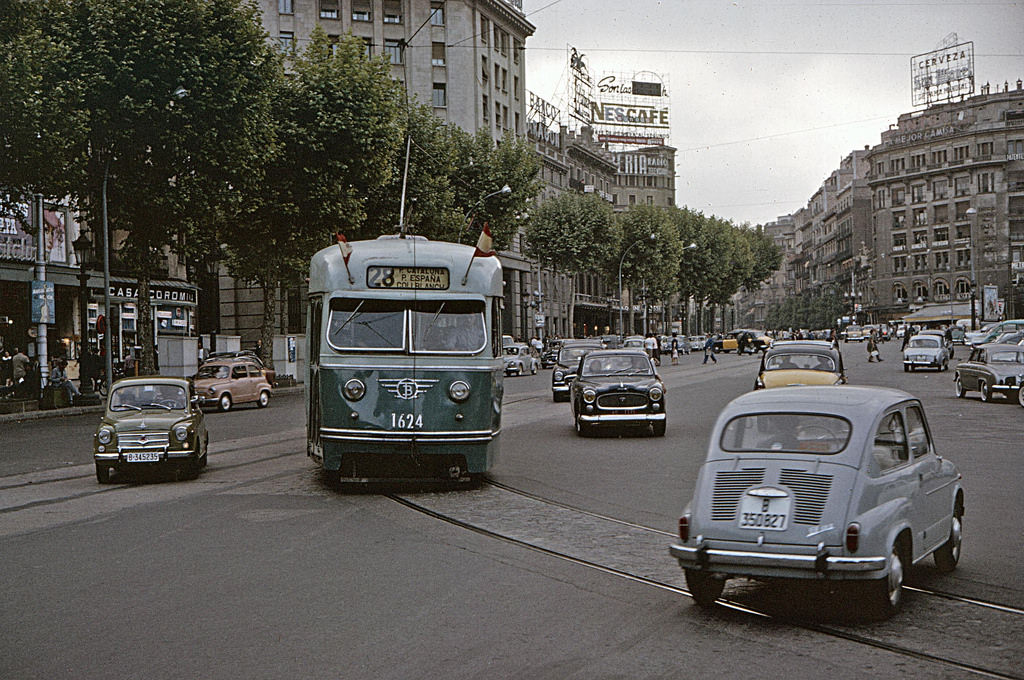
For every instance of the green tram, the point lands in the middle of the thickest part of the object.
(405, 375)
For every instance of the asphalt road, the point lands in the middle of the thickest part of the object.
(257, 570)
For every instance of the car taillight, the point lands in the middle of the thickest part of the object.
(684, 528)
(853, 537)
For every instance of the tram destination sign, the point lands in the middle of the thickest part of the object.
(407, 278)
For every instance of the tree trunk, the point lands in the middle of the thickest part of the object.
(265, 347)
(144, 329)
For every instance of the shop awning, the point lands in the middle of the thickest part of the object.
(942, 311)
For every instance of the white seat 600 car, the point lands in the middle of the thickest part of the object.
(837, 482)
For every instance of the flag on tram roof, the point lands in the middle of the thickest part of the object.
(484, 244)
(344, 247)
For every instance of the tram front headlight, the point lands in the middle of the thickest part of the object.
(354, 389)
(458, 391)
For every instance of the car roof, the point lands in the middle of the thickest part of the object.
(1000, 345)
(580, 343)
(803, 347)
(843, 400)
(157, 380)
(622, 351)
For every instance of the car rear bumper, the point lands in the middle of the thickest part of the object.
(749, 563)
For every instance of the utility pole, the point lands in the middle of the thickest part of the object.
(41, 290)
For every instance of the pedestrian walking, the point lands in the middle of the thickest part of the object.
(675, 349)
(651, 347)
(873, 353)
(709, 349)
(741, 344)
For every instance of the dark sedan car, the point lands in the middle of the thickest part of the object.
(992, 369)
(615, 388)
(565, 366)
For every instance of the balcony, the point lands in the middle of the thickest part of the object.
(899, 249)
(942, 297)
(963, 296)
(919, 246)
(941, 244)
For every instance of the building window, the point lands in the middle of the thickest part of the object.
(504, 81)
(961, 153)
(940, 189)
(632, 199)
(920, 237)
(920, 289)
(515, 86)
(361, 12)
(899, 240)
(437, 54)
(899, 292)
(940, 287)
(917, 160)
(899, 263)
(917, 193)
(516, 49)
(332, 43)
(942, 262)
(941, 214)
(328, 9)
(898, 196)
(986, 182)
(285, 7)
(1015, 150)
(897, 164)
(286, 40)
(437, 14)
(487, 110)
(392, 12)
(485, 29)
(440, 95)
(650, 200)
(963, 287)
(938, 157)
(962, 186)
(920, 217)
(899, 220)
(393, 49)
(941, 235)
(963, 258)
(985, 149)
(368, 46)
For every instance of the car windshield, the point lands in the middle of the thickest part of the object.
(810, 362)
(617, 364)
(786, 432)
(213, 371)
(512, 350)
(144, 397)
(1006, 357)
(568, 356)
(924, 342)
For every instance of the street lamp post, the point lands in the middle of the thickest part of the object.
(504, 191)
(972, 216)
(621, 260)
(83, 249)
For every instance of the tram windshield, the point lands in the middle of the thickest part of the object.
(436, 326)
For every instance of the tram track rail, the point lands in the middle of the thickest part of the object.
(974, 669)
(978, 602)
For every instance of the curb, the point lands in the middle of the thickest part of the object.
(83, 410)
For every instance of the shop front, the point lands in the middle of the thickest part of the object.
(173, 306)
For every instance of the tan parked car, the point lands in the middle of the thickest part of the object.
(226, 382)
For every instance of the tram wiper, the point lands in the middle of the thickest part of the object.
(352, 315)
(431, 325)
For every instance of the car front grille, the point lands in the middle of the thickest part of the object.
(620, 400)
(143, 441)
(729, 486)
(810, 494)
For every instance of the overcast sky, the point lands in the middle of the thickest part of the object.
(767, 97)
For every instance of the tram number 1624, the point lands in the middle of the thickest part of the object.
(406, 421)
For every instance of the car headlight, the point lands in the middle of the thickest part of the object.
(458, 391)
(181, 432)
(559, 375)
(105, 435)
(589, 396)
(354, 389)
(655, 393)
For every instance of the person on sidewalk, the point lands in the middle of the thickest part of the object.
(59, 379)
(709, 349)
(675, 349)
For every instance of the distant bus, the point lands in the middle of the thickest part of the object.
(405, 373)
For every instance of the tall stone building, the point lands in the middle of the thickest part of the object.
(947, 188)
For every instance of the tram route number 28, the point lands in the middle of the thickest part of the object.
(406, 421)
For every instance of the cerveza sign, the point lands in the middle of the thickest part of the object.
(157, 293)
(604, 113)
(943, 74)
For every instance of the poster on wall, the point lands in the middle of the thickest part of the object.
(55, 233)
(990, 303)
(43, 305)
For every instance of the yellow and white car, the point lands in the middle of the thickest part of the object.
(800, 362)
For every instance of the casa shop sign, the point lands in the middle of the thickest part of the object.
(157, 293)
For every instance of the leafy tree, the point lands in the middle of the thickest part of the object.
(483, 167)
(166, 100)
(571, 232)
(334, 118)
(651, 263)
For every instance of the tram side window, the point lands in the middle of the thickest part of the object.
(496, 306)
(448, 326)
(366, 324)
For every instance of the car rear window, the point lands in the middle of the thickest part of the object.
(786, 433)
(810, 362)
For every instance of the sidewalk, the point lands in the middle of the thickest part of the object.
(81, 410)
